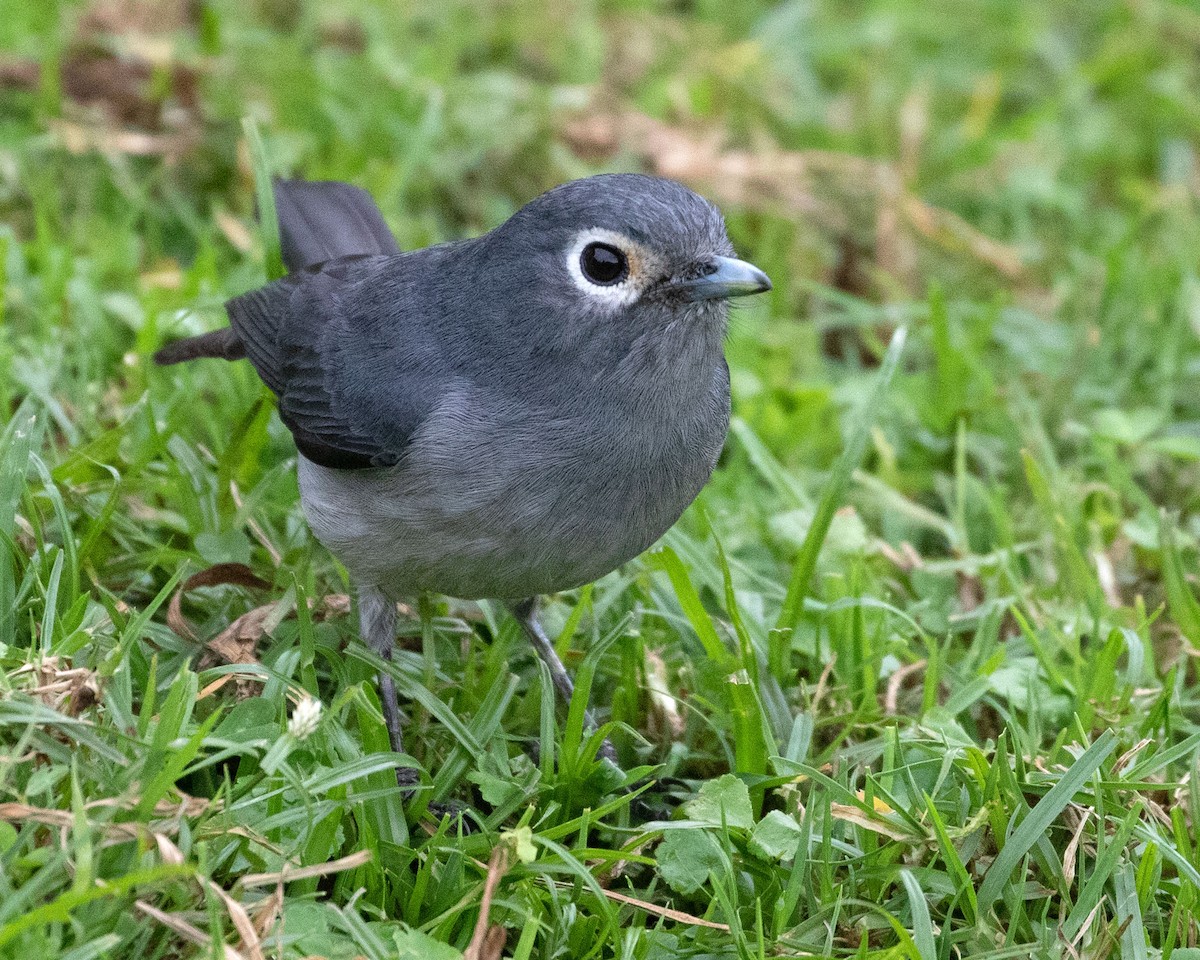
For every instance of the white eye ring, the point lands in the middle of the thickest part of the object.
(619, 294)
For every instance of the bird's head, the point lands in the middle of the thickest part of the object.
(630, 253)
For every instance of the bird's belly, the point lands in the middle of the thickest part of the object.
(525, 526)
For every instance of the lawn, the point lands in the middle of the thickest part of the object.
(913, 678)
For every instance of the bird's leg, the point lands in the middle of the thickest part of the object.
(377, 617)
(526, 613)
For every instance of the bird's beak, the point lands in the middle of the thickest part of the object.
(727, 278)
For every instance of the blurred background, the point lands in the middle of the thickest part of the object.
(1009, 573)
(1033, 162)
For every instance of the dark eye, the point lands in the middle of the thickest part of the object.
(604, 264)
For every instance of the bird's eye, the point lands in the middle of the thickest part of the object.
(603, 264)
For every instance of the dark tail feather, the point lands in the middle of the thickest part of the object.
(323, 220)
(220, 343)
(319, 220)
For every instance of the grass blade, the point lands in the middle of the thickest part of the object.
(264, 195)
(856, 446)
(1185, 609)
(1044, 813)
(922, 925)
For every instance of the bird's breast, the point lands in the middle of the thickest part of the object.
(497, 497)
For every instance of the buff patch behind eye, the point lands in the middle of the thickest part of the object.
(625, 291)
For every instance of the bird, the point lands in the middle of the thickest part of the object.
(506, 416)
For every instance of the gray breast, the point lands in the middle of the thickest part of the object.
(500, 499)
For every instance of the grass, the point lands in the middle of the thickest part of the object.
(914, 677)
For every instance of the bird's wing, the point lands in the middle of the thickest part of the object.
(333, 344)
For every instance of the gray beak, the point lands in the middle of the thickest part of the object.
(729, 278)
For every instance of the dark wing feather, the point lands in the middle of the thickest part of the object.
(320, 339)
(256, 318)
(308, 334)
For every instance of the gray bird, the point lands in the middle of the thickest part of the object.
(502, 417)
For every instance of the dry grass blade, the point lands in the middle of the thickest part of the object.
(185, 930)
(238, 642)
(24, 813)
(734, 176)
(217, 684)
(1072, 849)
(127, 90)
(338, 605)
(860, 818)
(677, 915)
(77, 139)
(905, 559)
(170, 814)
(493, 943)
(267, 914)
(68, 689)
(168, 851)
(251, 944)
(236, 232)
(895, 682)
(822, 686)
(219, 575)
(126, 17)
(665, 718)
(1124, 759)
(288, 874)
(255, 527)
(485, 937)
(1106, 574)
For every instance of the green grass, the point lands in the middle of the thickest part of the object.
(913, 679)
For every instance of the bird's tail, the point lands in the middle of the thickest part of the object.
(325, 220)
(318, 221)
(220, 343)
